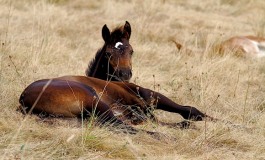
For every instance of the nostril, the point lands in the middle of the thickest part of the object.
(125, 74)
(121, 74)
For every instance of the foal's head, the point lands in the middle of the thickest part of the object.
(119, 51)
(113, 61)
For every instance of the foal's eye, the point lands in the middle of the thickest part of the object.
(108, 54)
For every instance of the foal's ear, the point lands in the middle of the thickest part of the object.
(105, 33)
(127, 30)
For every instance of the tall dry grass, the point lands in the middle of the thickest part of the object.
(50, 38)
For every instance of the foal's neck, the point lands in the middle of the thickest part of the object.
(99, 67)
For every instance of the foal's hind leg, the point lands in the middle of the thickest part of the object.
(106, 116)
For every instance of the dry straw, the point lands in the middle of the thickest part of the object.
(50, 38)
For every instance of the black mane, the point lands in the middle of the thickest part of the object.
(93, 65)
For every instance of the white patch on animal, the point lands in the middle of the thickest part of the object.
(118, 44)
(259, 47)
(251, 48)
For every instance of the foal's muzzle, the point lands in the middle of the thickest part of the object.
(124, 74)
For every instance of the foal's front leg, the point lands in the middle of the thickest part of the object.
(164, 103)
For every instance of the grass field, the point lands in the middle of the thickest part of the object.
(51, 38)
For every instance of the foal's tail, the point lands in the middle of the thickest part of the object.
(21, 109)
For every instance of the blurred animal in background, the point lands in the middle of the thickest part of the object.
(244, 46)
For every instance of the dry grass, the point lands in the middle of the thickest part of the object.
(50, 38)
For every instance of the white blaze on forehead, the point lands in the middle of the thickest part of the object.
(118, 44)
